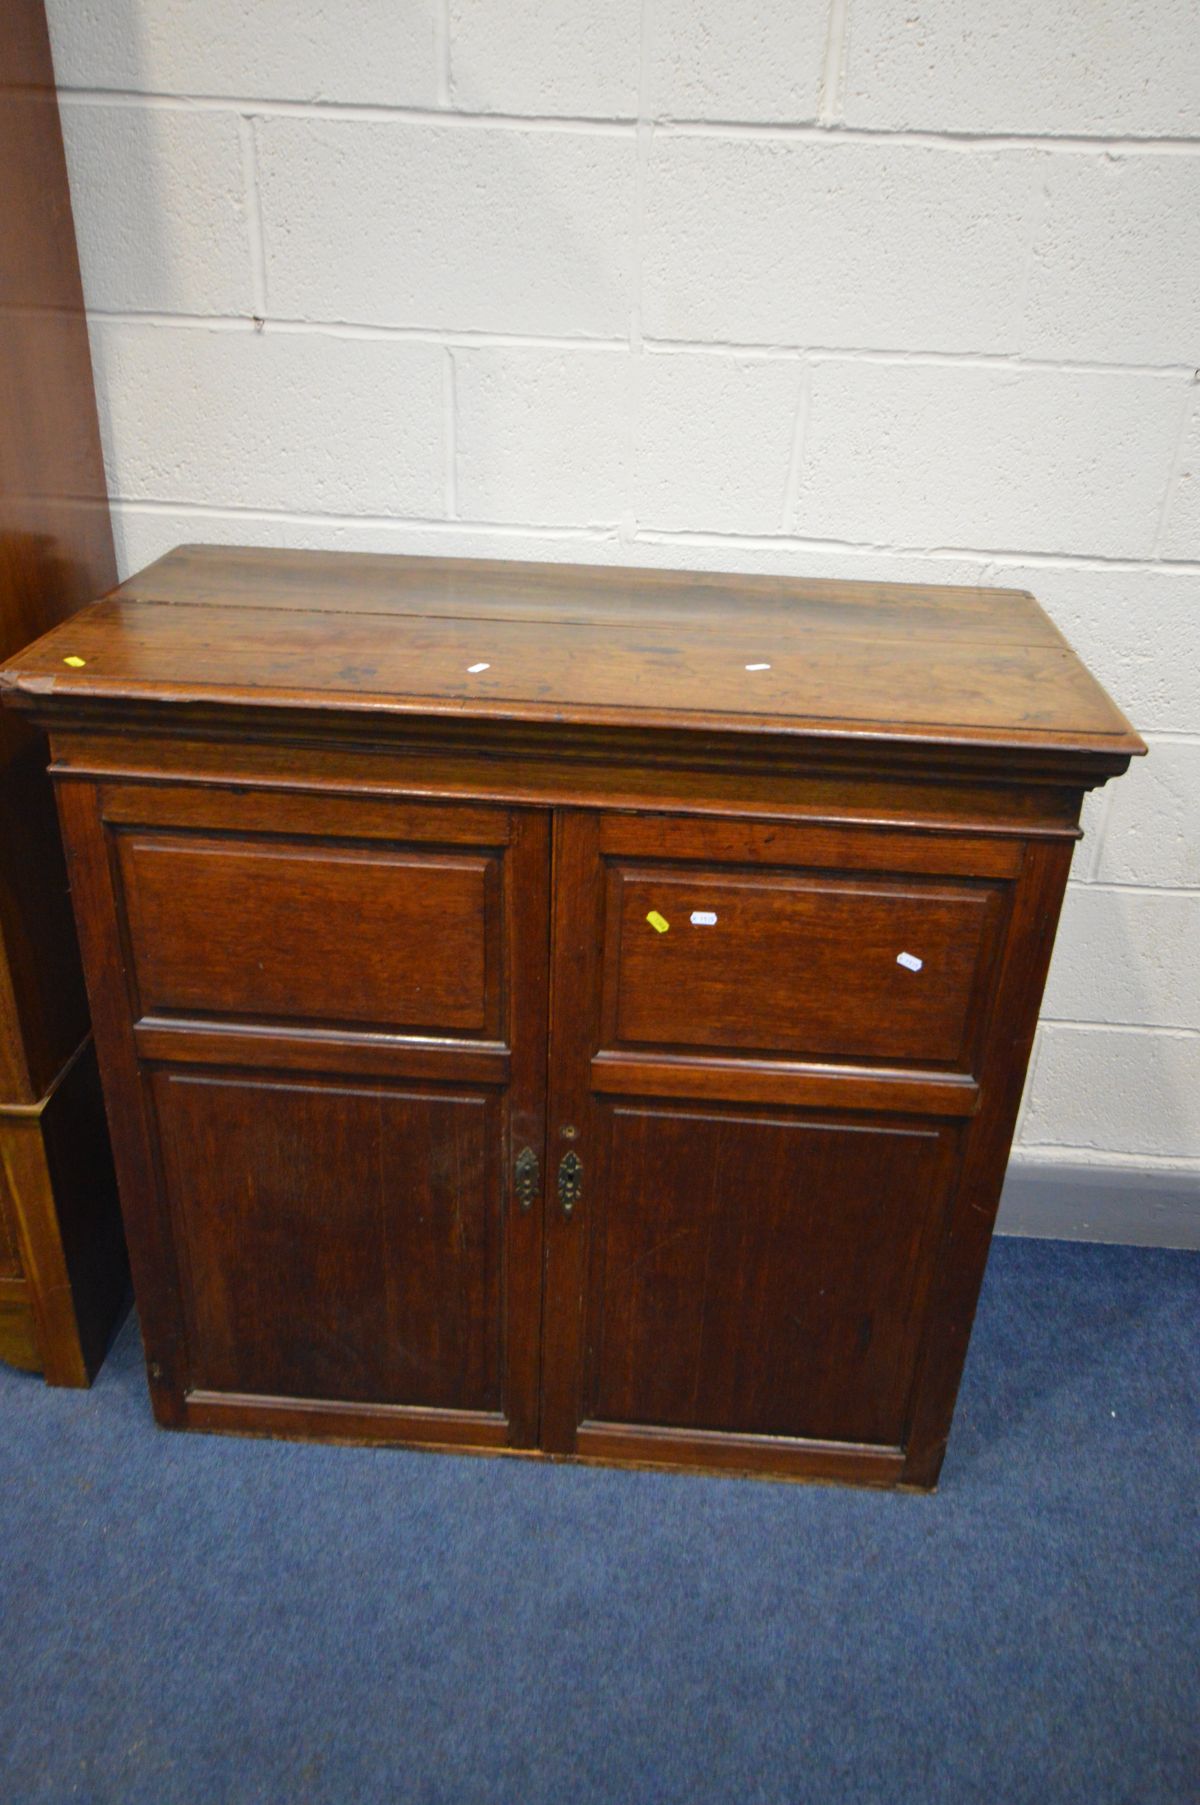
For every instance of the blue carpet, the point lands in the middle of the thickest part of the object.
(187, 1618)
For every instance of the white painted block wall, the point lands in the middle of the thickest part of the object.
(823, 287)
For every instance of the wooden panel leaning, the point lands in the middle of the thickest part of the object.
(565, 1012)
(63, 1273)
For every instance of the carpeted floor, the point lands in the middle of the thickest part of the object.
(187, 1618)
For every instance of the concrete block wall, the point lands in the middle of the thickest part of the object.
(828, 287)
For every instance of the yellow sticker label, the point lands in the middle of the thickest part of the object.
(658, 922)
(75, 662)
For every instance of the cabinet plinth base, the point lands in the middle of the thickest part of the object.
(632, 1446)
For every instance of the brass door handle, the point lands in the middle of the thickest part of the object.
(525, 1179)
(570, 1181)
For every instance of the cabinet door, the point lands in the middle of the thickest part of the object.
(333, 1013)
(763, 1051)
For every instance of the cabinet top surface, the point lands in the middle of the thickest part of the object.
(578, 645)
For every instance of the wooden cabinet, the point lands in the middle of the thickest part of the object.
(523, 1029)
(63, 1274)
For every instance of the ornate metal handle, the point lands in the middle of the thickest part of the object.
(570, 1181)
(525, 1179)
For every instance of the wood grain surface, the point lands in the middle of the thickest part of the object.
(574, 645)
(580, 1056)
(60, 1299)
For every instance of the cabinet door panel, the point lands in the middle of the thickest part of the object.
(333, 1014)
(744, 1282)
(759, 1274)
(787, 962)
(385, 939)
(338, 1243)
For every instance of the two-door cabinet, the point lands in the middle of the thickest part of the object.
(564, 1010)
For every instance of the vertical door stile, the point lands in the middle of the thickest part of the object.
(575, 941)
(528, 986)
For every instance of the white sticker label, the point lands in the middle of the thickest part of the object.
(758, 667)
(473, 670)
(704, 918)
(909, 961)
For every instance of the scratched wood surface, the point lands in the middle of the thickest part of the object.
(581, 646)
(608, 1052)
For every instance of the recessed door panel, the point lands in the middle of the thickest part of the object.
(338, 1243)
(281, 929)
(758, 1273)
(794, 962)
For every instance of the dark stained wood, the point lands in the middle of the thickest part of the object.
(18, 1330)
(577, 926)
(43, 1010)
(65, 1249)
(366, 935)
(804, 1083)
(773, 1288)
(250, 811)
(55, 542)
(745, 1456)
(332, 1192)
(776, 843)
(791, 963)
(764, 783)
(10, 1257)
(527, 914)
(374, 583)
(337, 1420)
(959, 1268)
(368, 1055)
(153, 1254)
(418, 664)
(56, 548)
(339, 1242)
(56, 552)
(880, 659)
(743, 1271)
(221, 926)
